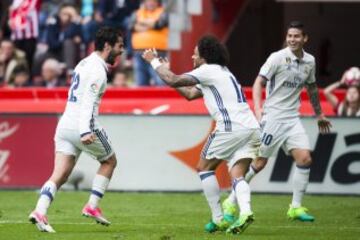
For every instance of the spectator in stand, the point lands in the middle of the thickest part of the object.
(5, 31)
(64, 35)
(88, 25)
(350, 106)
(51, 73)
(150, 30)
(10, 58)
(24, 25)
(117, 14)
(21, 77)
(121, 79)
(48, 9)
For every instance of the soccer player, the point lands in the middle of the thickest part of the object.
(236, 136)
(285, 73)
(79, 130)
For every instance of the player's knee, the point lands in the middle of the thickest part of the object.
(59, 177)
(259, 164)
(307, 160)
(205, 166)
(304, 160)
(114, 163)
(111, 162)
(201, 168)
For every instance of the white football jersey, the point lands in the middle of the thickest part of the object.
(286, 76)
(88, 86)
(224, 98)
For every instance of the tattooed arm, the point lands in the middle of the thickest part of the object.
(161, 66)
(323, 123)
(314, 98)
(174, 80)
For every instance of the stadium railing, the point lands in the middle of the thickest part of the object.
(125, 101)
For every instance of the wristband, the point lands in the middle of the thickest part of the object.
(155, 63)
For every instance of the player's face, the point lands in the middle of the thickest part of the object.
(352, 95)
(115, 51)
(197, 60)
(295, 39)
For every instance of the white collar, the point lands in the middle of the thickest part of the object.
(101, 60)
(294, 57)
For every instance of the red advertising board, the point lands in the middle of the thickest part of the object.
(26, 149)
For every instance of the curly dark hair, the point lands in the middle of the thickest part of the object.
(213, 51)
(106, 35)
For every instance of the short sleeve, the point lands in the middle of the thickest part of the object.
(201, 75)
(269, 68)
(198, 87)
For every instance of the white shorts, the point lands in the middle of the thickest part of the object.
(288, 136)
(232, 146)
(67, 141)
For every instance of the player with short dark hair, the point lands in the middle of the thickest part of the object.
(285, 74)
(79, 130)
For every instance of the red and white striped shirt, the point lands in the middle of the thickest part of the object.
(23, 19)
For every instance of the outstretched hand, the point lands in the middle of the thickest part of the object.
(324, 124)
(149, 54)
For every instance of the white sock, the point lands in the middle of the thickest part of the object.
(250, 173)
(98, 189)
(300, 182)
(243, 192)
(47, 194)
(232, 197)
(211, 190)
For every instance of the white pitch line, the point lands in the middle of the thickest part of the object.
(187, 225)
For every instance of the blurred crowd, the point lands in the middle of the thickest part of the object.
(41, 41)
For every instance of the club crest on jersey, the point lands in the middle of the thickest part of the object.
(306, 70)
(94, 87)
(288, 63)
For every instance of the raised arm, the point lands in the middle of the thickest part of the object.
(323, 123)
(166, 74)
(328, 91)
(257, 95)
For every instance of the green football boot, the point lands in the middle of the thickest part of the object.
(230, 209)
(241, 224)
(221, 226)
(299, 213)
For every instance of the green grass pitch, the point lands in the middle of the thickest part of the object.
(169, 216)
